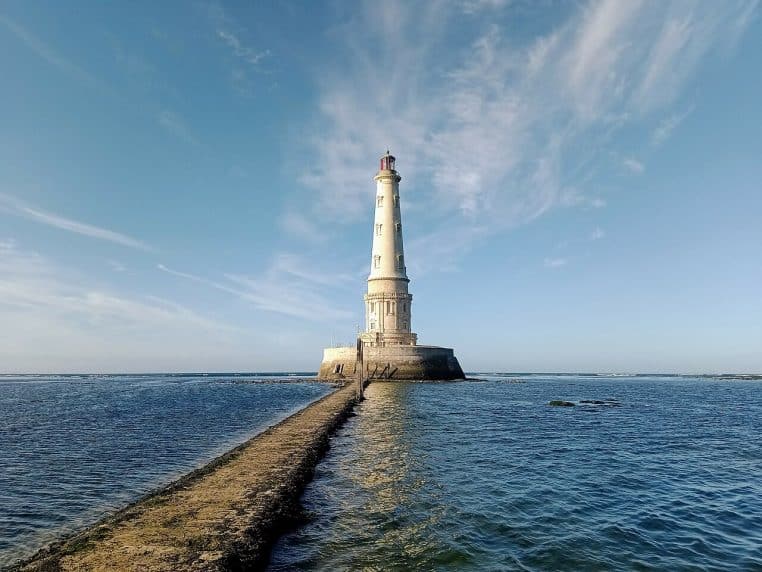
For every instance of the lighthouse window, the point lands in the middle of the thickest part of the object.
(380, 201)
(398, 227)
(396, 200)
(377, 261)
(379, 227)
(400, 262)
(388, 307)
(404, 306)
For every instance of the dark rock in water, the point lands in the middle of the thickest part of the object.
(559, 403)
(606, 402)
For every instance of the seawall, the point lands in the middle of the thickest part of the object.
(223, 516)
(393, 362)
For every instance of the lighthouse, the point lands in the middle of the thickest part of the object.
(390, 347)
(388, 302)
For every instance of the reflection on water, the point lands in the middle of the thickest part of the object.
(664, 474)
(73, 448)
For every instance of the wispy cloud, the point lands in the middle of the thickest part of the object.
(13, 206)
(246, 59)
(497, 132)
(287, 287)
(47, 53)
(633, 165)
(667, 125)
(246, 53)
(597, 234)
(174, 124)
(555, 262)
(116, 266)
(475, 6)
(302, 226)
(55, 318)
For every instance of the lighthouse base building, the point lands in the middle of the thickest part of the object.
(390, 348)
(392, 362)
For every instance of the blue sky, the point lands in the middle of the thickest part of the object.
(188, 186)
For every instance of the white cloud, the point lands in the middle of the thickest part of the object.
(555, 262)
(474, 6)
(47, 53)
(597, 234)
(633, 165)
(289, 287)
(245, 59)
(55, 319)
(116, 266)
(302, 226)
(174, 124)
(667, 125)
(15, 207)
(600, 55)
(496, 132)
(247, 54)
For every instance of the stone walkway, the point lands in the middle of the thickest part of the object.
(224, 516)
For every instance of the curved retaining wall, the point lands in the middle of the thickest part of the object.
(392, 362)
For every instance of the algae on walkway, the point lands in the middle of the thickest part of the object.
(224, 516)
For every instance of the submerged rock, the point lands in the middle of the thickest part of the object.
(606, 402)
(559, 403)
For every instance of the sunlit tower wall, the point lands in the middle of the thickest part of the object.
(388, 302)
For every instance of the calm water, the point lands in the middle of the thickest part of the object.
(666, 475)
(75, 448)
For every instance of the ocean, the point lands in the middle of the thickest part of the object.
(642, 473)
(74, 448)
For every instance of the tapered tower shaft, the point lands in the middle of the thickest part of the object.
(387, 303)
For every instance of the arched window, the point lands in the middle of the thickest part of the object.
(380, 201)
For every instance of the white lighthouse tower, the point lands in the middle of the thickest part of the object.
(387, 303)
(390, 347)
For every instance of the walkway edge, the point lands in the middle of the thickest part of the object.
(225, 515)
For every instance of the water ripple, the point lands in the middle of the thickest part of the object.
(73, 448)
(487, 476)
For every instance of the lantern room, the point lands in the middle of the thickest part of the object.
(387, 162)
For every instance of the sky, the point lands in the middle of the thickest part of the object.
(188, 186)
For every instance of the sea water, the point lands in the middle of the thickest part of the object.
(73, 448)
(642, 473)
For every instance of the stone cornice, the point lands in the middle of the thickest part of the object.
(388, 295)
(398, 278)
(387, 175)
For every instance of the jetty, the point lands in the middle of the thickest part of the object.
(223, 516)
